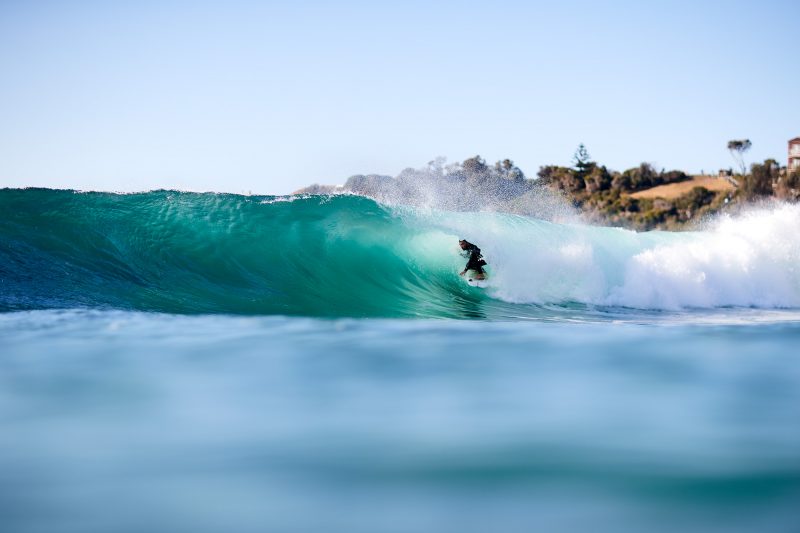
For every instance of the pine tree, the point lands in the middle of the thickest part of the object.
(581, 159)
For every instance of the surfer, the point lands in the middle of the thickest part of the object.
(475, 262)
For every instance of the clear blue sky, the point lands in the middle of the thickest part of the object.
(270, 96)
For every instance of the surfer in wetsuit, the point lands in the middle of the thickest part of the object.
(475, 261)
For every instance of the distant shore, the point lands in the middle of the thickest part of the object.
(640, 198)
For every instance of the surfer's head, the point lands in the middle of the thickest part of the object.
(463, 244)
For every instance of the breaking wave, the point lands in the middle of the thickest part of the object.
(349, 256)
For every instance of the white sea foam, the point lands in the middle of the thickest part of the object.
(752, 260)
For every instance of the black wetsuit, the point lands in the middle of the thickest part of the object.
(476, 261)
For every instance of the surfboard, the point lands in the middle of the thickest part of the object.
(473, 281)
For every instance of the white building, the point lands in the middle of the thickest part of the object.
(794, 154)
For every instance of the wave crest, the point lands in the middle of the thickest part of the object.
(350, 256)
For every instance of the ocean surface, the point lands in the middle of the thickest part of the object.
(175, 361)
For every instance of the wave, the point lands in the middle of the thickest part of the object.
(349, 256)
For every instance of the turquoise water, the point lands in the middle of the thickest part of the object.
(185, 362)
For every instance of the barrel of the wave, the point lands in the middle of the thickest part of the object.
(195, 253)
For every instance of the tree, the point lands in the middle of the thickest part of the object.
(581, 159)
(562, 178)
(635, 179)
(737, 149)
(598, 179)
(789, 186)
(475, 165)
(516, 174)
(759, 182)
(507, 170)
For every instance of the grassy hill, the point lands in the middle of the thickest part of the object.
(672, 191)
